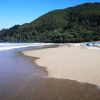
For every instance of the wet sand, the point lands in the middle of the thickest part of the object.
(54, 89)
(75, 63)
(58, 89)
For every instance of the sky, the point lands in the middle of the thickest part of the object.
(13, 12)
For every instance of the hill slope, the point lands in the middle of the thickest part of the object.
(74, 24)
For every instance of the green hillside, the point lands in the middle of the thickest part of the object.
(75, 24)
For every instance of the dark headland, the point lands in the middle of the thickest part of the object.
(75, 24)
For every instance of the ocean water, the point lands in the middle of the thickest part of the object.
(17, 70)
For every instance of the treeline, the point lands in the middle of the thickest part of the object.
(76, 24)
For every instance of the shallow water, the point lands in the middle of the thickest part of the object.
(15, 71)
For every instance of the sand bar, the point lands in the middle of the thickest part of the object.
(75, 63)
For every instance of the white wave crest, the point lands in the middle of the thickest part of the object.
(8, 46)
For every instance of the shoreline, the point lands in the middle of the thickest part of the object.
(33, 59)
(52, 72)
(28, 85)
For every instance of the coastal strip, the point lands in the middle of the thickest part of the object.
(65, 62)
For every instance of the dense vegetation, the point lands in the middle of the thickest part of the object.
(74, 24)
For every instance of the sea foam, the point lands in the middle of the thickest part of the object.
(8, 46)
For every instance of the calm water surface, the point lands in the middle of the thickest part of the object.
(16, 71)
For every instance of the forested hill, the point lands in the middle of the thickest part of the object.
(74, 24)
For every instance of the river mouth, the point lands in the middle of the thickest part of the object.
(20, 79)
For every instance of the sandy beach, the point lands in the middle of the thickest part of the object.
(75, 63)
